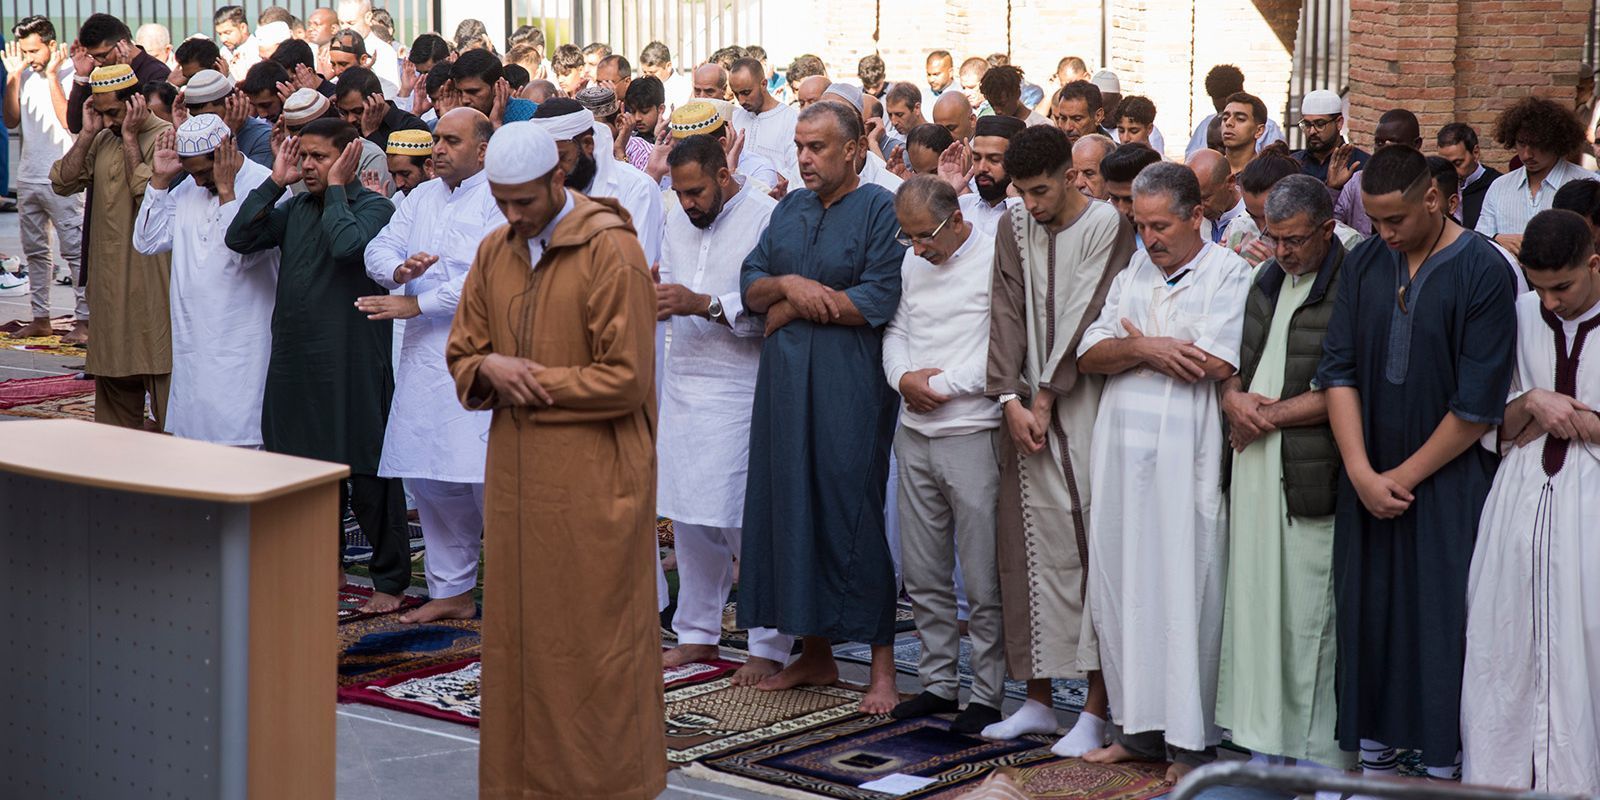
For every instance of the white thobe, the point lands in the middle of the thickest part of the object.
(877, 171)
(221, 307)
(770, 133)
(429, 434)
(637, 193)
(708, 386)
(385, 64)
(1158, 534)
(1530, 698)
(243, 57)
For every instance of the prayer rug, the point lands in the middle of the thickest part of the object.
(352, 597)
(712, 717)
(81, 407)
(26, 391)
(1068, 694)
(663, 532)
(47, 345)
(1079, 780)
(380, 647)
(451, 691)
(738, 641)
(834, 760)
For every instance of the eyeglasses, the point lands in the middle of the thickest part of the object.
(1316, 125)
(907, 240)
(1292, 242)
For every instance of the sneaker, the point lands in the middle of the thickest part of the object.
(13, 285)
(63, 275)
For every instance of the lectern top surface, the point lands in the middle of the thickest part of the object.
(105, 456)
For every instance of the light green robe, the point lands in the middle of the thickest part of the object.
(1275, 690)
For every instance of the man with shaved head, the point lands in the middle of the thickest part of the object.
(826, 273)
(953, 112)
(810, 90)
(710, 82)
(1219, 192)
(433, 443)
(941, 77)
(767, 125)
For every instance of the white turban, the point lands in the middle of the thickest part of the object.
(200, 134)
(519, 152)
(274, 33)
(566, 127)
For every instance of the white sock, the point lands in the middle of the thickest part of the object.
(1378, 758)
(1088, 734)
(1033, 717)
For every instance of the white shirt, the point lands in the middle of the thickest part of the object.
(221, 309)
(429, 434)
(679, 89)
(44, 139)
(537, 244)
(1272, 134)
(770, 133)
(708, 380)
(243, 57)
(385, 64)
(1157, 141)
(637, 193)
(1507, 206)
(943, 323)
(1216, 232)
(876, 171)
(984, 217)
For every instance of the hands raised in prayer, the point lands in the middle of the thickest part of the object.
(373, 110)
(956, 167)
(408, 77)
(343, 171)
(896, 161)
(1174, 358)
(286, 162)
(502, 98)
(166, 166)
(374, 183)
(225, 163)
(449, 98)
(180, 110)
(306, 78)
(235, 110)
(133, 119)
(1257, 251)
(1247, 420)
(732, 146)
(920, 397)
(413, 267)
(11, 58)
(93, 121)
(781, 189)
(1341, 166)
(82, 62)
(514, 379)
(389, 306)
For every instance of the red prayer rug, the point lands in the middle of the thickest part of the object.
(26, 391)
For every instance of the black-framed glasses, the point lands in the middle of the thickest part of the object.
(907, 240)
(1293, 242)
(1316, 124)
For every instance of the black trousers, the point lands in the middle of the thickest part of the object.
(379, 505)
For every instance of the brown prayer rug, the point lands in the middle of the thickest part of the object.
(1074, 779)
(712, 717)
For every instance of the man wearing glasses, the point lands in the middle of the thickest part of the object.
(1278, 617)
(104, 40)
(1326, 151)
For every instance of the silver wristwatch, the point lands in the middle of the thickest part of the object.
(715, 313)
(1008, 397)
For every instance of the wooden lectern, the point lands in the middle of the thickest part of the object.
(168, 613)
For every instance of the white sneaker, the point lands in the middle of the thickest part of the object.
(13, 285)
(63, 275)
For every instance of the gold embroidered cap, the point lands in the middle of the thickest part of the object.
(694, 118)
(112, 78)
(410, 143)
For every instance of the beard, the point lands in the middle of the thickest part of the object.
(991, 190)
(703, 219)
(583, 174)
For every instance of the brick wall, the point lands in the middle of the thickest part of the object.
(1460, 60)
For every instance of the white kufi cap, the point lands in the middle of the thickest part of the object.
(520, 152)
(1107, 81)
(1321, 102)
(200, 134)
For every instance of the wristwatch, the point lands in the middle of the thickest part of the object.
(1008, 397)
(714, 311)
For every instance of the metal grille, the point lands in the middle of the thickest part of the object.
(1321, 58)
(691, 29)
(184, 18)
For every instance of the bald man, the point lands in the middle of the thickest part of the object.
(810, 90)
(711, 82)
(1087, 153)
(953, 112)
(1220, 200)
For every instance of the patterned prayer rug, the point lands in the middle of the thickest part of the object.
(834, 760)
(352, 597)
(1068, 694)
(1066, 778)
(380, 647)
(711, 717)
(27, 391)
(451, 691)
(46, 345)
(60, 408)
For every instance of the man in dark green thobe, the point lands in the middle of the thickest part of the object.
(826, 273)
(329, 381)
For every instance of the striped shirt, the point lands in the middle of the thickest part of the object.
(1507, 206)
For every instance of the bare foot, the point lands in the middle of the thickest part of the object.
(669, 563)
(33, 330)
(381, 603)
(688, 654)
(78, 335)
(1177, 772)
(462, 606)
(1113, 754)
(755, 671)
(881, 698)
(805, 671)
